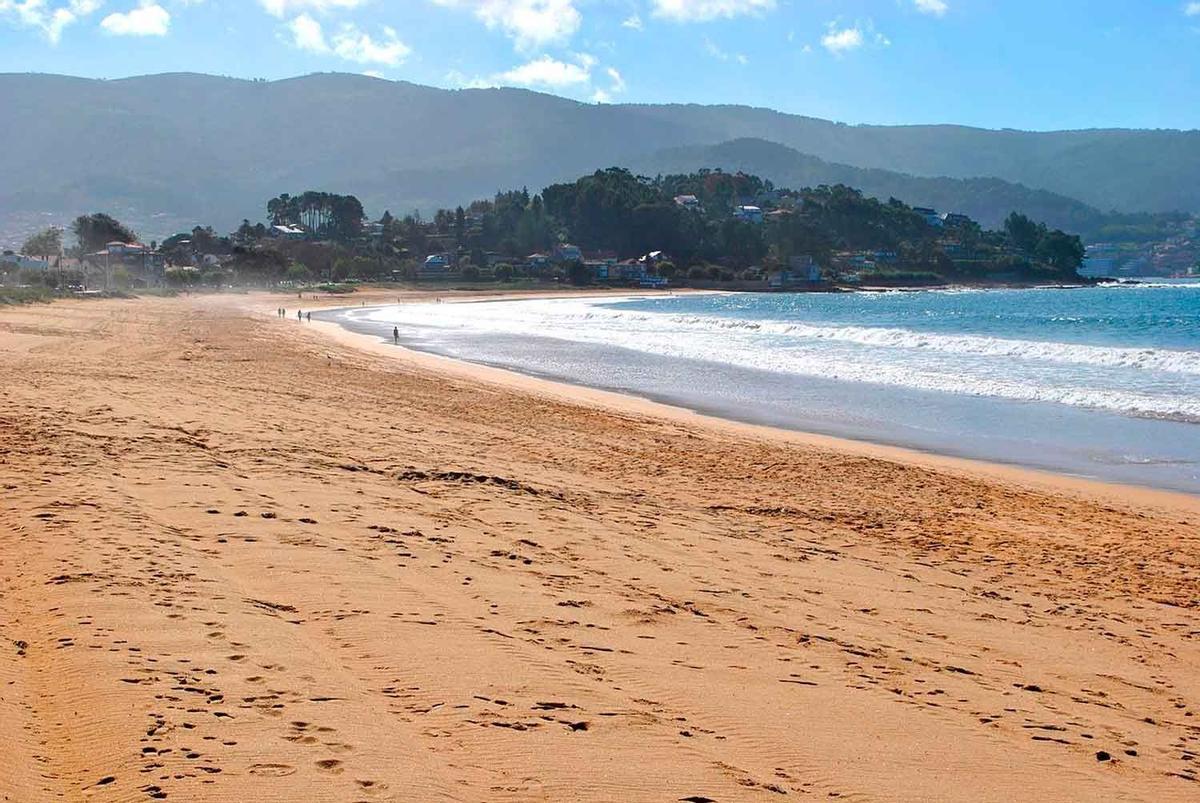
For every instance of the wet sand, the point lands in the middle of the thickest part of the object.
(246, 558)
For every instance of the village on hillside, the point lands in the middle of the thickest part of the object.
(705, 229)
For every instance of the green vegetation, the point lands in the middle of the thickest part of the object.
(45, 244)
(123, 145)
(93, 232)
(610, 226)
(613, 209)
(322, 213)
(987, 200)
(25, 295)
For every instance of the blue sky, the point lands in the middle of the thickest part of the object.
(1036, 64)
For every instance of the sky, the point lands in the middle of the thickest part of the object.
(1029, 64)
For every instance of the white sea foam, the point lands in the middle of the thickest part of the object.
(1187, 362)
(1150, 382)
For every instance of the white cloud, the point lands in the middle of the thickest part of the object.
(579, 76)
(714, 50)
(842, 40)
(938, 8)
(462, 81)
(49, 19)
(547, 72)
(148, 19)
(307, 34)
(633, 22)
(349, 43)
(615, 87)
(354, 45)
(705, 10)
(282, 8)
(1192, 9)
(618, 82)
(531, 24)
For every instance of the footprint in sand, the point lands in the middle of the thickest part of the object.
(272, 770)
(372, 788)
(331, 765)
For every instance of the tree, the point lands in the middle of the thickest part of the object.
(298, 273)
(259, 265)
(343, 268)
(460, 225)
(177, 249)
(45, 244)
(1062, 251)
(345, 217)
(598, 209)
(578, 273)
(336, 216)
(181, 276)
(284, 210)
(247, 234)
(1023, 232)
(742, 242)
(93, 232)
(206, 241)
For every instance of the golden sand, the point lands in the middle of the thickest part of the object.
(250, 559)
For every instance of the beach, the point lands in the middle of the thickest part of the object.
(1099, 382)
(251, 558)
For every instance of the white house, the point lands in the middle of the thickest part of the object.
(748, 214)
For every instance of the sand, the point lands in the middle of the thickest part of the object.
(250, 559)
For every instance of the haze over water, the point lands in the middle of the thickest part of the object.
(1101, 382)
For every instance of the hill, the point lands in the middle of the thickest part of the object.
(986, 200)
(181, 147)
(1121, 169)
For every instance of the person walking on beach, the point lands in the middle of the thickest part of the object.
(299, 315)
(308, 316)
(396, 334)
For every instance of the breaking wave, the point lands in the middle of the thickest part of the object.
(1155, 382)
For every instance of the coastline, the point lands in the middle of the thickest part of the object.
(629, 403)
(250, 558)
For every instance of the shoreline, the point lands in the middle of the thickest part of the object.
(630, 403)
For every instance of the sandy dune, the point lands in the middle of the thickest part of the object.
(243, 561)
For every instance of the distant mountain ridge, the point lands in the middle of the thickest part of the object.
(166, 148)
(986, 200)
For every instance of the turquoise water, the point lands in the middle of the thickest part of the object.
(1101, 382)
(1154, 315)
(1131, 349)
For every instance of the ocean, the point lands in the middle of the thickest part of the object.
(1100, 382)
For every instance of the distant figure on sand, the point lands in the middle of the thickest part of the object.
(308, 316)
(395, 334)
(299, 315)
